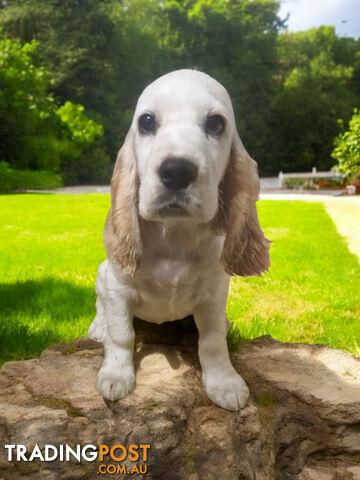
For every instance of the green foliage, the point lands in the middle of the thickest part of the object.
(27, 123)
(84, 159)
(103, 53)
(236, 43)
(298, 183)
(314, 90)
(288, 89)
(99, 51)
(347, 147)
(83, 130)
(91, 167)
(12, 180)
(36, 133)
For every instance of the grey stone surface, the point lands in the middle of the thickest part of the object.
(302, 422)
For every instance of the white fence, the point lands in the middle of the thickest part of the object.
(313, 175)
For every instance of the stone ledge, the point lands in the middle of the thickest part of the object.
(302, 422)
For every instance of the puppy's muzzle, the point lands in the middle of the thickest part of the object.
(177, 173)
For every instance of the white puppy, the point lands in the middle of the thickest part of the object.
(183, 219)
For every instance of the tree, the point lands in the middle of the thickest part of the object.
(104, 52)
(234, 41)
(36, 132)
(287, 89)
(28, 124)
(314, 90)
(83, 158)
(347, 147)
(99, 54)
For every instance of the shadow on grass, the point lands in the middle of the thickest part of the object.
(38, 313)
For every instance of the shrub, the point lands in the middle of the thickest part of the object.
(347, 147)
(330, 183)
(28, 124)
(12, 180)
(298, 183)
(356, 181)
(91, 167)
(84, 159)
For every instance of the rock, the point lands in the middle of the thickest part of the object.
(302, 422)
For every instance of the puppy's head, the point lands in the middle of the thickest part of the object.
(183, 160)
(182, 129)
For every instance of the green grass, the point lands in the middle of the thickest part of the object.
(311, 292)
(52, 246)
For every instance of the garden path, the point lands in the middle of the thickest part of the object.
(345, 211)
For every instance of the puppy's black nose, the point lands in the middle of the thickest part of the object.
(177, 173)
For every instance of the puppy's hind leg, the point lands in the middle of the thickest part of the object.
(97, 328)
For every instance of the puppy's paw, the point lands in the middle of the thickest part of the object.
(97, 330)
(228, 391)
(115, 383)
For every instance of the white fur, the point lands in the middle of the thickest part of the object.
(180, 271)
(181, 101)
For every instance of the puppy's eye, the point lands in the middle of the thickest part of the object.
(214, 125)
(147, 123)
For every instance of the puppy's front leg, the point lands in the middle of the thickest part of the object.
(116, 377)
(222, 383)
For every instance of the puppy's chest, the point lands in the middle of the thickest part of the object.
(173, 273)
(168, 289)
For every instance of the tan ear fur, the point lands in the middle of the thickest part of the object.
(122, 231)
(246, 250)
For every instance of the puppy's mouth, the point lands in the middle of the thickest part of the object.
(176, 205)
(173, 210)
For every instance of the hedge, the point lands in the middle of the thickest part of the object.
(12, 180)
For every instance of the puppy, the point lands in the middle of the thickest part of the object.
(183, 219)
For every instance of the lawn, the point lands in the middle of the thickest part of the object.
(312, 290)
(52, 246)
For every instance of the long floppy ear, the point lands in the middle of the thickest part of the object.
(246, 250)
(122, 231)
